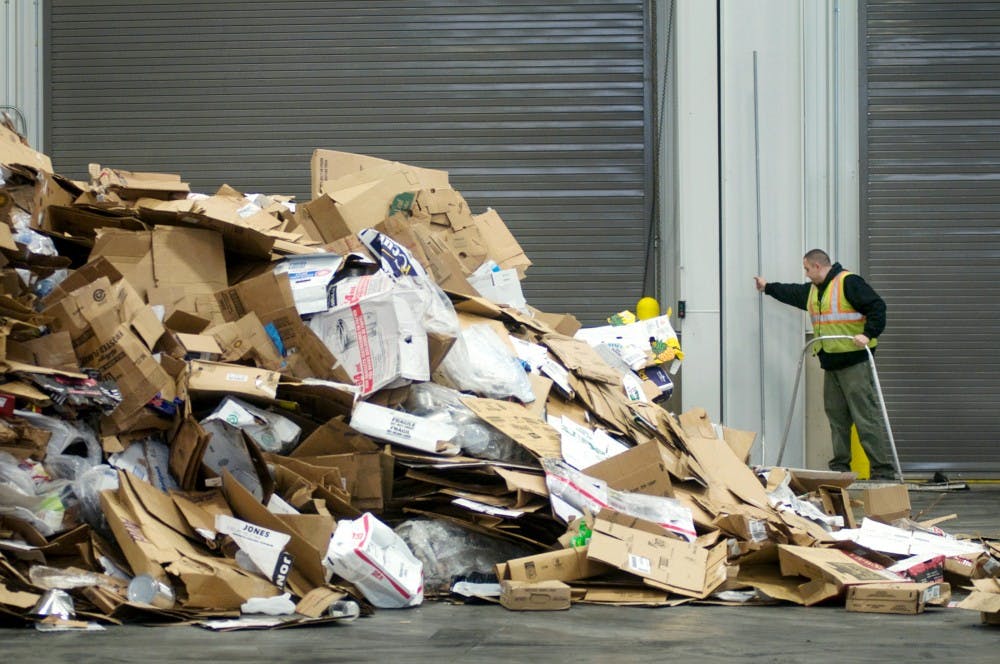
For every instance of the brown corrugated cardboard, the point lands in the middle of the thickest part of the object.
(269, 296)
(837, 502)
(14, 150)
(642, 469)
(225, 378)
(236, 236)
(500, 243)
(833, 565)
(662, 561)
(905, 598)
(188, 260)
(561, 565)
(231, 207)
(134, 185)
(540, 596)
(359, 206)
(887, 503)
(518, 423)
(330, 165)
(308, 571)
(113, 332)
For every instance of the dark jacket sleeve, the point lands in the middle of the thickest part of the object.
(864, 298)
(796, 295)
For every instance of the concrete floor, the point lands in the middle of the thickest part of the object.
(437, 632)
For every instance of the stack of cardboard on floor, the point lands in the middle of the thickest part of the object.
(214, 404)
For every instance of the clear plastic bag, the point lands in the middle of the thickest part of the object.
(29, 493)
(75, 439)
(448, 551)
(476, 437)
(480, 362)
(38, 244)
(54, 578)
(579, 493)
(88, 487)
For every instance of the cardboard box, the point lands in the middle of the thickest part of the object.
(223, 378)
(642, 469)
(837, 502)
(837, 567)
(985, 598)
(888, 503)
(562, 565)
(501, 246)
(113, 332)
(663, 562)
(904, 598)
(330, 165)
(187, 260)
(135, 185)
(540, 596)
(14, 149)
(269, 296)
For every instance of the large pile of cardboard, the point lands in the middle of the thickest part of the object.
(216, 403)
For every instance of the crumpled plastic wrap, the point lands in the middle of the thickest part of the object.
(76, 438)
(448, 551)
(476, 437)
(480, 362)
(88, 487)
(28, 492)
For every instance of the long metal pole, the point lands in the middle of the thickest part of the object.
(760, 269)
(878, 391)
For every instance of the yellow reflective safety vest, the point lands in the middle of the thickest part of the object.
(833, 315)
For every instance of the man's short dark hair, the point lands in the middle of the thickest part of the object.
(817, 256)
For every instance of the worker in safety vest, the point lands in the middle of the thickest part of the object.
(842, 303)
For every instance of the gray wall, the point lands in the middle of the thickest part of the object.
(537, 109)
(931, 226)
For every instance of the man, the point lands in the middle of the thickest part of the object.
(841, 303)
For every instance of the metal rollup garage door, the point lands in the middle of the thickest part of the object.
(931, 224)
(539, 110)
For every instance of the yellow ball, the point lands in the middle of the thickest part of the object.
(647, 308)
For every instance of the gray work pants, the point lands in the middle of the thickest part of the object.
(849, 396)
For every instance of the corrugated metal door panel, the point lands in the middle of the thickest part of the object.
(536, 109)
(931, 230)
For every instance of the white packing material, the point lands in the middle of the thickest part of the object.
(367, 553)
(279, 605)
(899, 542)
(406, 429)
